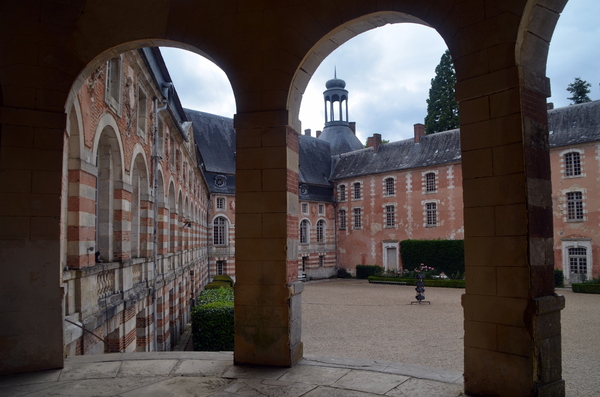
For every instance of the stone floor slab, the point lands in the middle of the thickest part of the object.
(181, 386)
(267, 387)
(250, 371)
(368, 381)
(322, 376)
(325, 391)
(202, 368)
(96, 370)
(417, 371)
(421, 387)
(95, 387)
(146, 368)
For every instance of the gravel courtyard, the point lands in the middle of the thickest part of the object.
(352, 318)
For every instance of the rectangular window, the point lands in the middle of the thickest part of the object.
(430, 182)
(357, 218)
(321, 260)
(304, 263)
(578, 260)
(572, 164)
(389, 187)
(321, 209)
(113, 83)
(304, 208)
(357, 194)
(220, 267)
(431, 213)
(220, 203)
(342, 219)
(390, 216)
(342, 192)
(575, 206)
(142, 113)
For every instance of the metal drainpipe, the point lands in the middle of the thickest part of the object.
(155, 157)
(208, 207)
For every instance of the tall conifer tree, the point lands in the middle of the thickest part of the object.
(579, 90)
(442, 108)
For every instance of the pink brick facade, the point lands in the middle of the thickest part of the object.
(381, 210)
(110, 272)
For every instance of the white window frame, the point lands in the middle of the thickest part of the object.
(218, 201)
(304, 208)
(342, 214)
(576, 243)
(114, 80)
(430, 184)
(220, 230)
(427, 213)
(304, 231)
(357, 194)
(321, 209)
(357, 215)
(564, 166)
(386, 186)
(142, 113)
(321, 229)
(578, 203)
(387, 214)
(343, 192)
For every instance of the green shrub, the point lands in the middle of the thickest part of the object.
(586, 288)
(559, 278)
(215, 295)
(224, 278)
(212, 327)
(428, 283)
(343, 273)
(217, 284)
(446, 256)
(364, 271)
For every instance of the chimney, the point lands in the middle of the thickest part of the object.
(376, 142)
(307, 132)
(549, 106)
(370, 141)
(419, 132)
(318, 133)
(352, 125)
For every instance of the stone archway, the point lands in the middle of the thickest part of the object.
(265, 50)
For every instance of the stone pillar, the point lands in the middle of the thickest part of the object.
(512, 315)
(31, 161)
(267, 291)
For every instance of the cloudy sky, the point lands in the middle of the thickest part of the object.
(388, 73)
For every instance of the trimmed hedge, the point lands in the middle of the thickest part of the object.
(215, 295)
(224, 278)
(446, 256)
(217, 284)
(559, 278)
(364, 271)
(412, 281)
(212, 327)
(586, 288)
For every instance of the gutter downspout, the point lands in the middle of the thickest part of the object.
(155, 157)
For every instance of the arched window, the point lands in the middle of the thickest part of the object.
(304, 230)
(321, 231)
(220, 231)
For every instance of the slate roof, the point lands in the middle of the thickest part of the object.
(574, 124)
(215, 138)
(340, 137)
(440, 148)
(314, 169)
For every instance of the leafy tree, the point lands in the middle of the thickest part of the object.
(442, 108)
(579, 90)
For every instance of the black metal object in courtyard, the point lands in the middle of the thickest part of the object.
(420, 289)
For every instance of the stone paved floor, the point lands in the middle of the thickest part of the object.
(212, 374)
